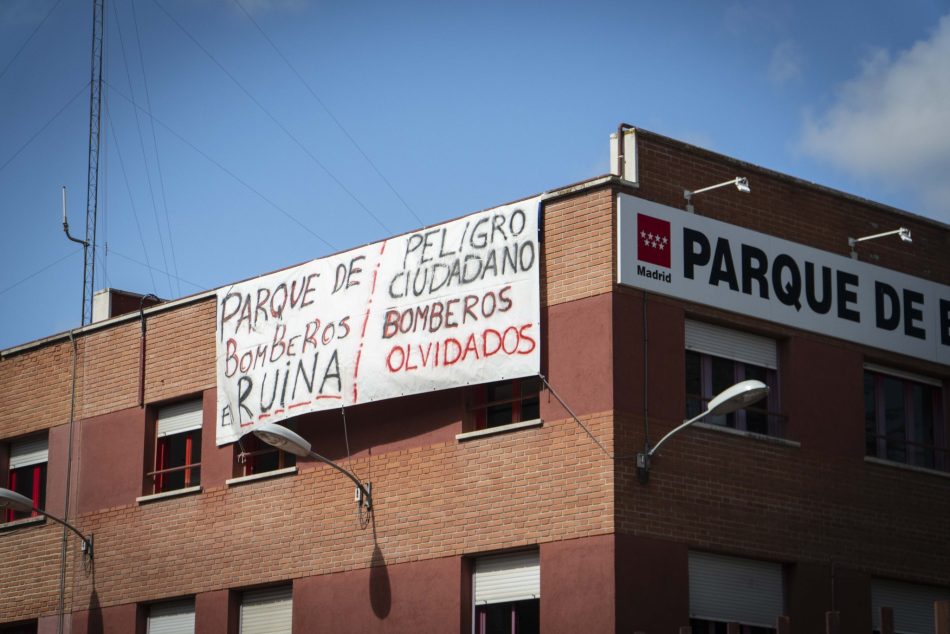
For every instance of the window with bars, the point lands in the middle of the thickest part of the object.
(717, 358)
(506, 402)
(177, 463)
(27, 473)
(903, 419)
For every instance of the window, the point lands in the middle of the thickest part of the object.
(913, 605)
(717, 358)
(507, 593)
(177, 447)
(27, 475)
(28, 627)
(173, 617)
(506, 402)
(903, 418)
(725, 589)
(267, 611)
(252, 456)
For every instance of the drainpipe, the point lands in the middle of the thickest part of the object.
(142, 347)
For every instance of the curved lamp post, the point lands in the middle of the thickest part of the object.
(729, 400)
(741, 183)
(13, 500)
(283, 438)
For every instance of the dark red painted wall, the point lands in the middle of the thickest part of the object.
(652, 585)
(422, 596)
(116, 480)
(577, 585)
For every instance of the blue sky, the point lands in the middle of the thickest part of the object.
(375, 118)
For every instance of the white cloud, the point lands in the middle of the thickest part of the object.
(893, 122)
(786, 63)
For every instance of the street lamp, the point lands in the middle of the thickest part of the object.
(903, 232)
(741, 183)
(13, 500)
(729, 400)
(286, 440)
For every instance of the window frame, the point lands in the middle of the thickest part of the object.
(525, 394)
(248, 451)
(164, 447)
(513, 583)
(933, 455)
(36, 468)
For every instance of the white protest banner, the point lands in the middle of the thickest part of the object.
(699, 259)
(452, 305)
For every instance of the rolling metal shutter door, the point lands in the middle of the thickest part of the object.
(735, 590)
(731, 344)
(30, 451)
(267, 611)
(913, 605)
(503, 578)
(177, 617)
(178, 418)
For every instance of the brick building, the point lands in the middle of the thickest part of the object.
(519, 501)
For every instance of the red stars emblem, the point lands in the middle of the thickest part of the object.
(653, 240)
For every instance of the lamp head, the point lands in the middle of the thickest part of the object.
(742, 184)
(738, 396)
(13, 500)
(279, 436)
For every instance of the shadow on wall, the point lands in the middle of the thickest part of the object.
(94, 615)
(380, 593)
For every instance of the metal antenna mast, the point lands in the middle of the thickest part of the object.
(92, 183)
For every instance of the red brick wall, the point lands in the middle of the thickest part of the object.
(439, 500)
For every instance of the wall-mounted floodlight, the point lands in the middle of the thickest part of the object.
(13, 500)
(741, 183)
(726, 402)
(903, 232)
(279, 436)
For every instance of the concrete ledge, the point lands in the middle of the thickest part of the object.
(905, 466)
(501, 429)
(26, 521)
(748, 434)
(154, 497)
(260, 476)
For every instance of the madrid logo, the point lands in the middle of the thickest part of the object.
(653, 240)
(653, 247)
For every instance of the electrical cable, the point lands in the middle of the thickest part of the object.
(118, 151)
(23, 46)
(37, 272)
(158, 160)
(138, 126)
(149, 266)
(46, 125)
(224, 169)
(330, 114)
(275, 120)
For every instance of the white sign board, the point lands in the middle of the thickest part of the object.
(452, 305)
(671, 252)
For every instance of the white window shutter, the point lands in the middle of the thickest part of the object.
(503, 578)
(731, 344)
(913, 604)
(176, 617)
(29, 451)
(179, 417)
(735, 590)
(267, 611)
